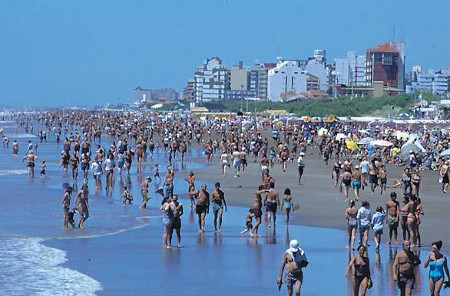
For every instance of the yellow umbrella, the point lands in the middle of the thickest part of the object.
(351, 145)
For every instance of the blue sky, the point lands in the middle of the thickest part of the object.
(89, 52)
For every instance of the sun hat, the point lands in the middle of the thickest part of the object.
(302, 154)
(293, 245)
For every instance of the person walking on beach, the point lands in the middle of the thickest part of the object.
(393, 211)
(356, 184)
(168, 182)
(257, 209)
(364, 219)
(272, 202)
(218, 203)
(294, 259)
(191, 187)
(82, 203)
(438, 265)
(30, 158)
(301, 167)
(144, 192)
(352, 224)
(443, 172)
(287, 203)
(377, 225)
(202, 206)
(66, 206)
(403, 269)
(176, 222)
(361, 272)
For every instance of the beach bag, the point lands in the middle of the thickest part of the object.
(441, 180)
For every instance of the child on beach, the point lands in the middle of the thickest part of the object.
(126, 196)
(43, 172)
(248, 221)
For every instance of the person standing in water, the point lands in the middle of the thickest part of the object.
(66, 206)
(361, 272)
(393, 210)
(218, 203)
(176, 222)
(82, 203)
(202, 206)
(30, 157)
(403, 269)
(294, 259)
(438, 265)
(167, 207)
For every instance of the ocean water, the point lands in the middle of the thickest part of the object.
(32, 216)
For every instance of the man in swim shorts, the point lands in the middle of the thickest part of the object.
(294, 259)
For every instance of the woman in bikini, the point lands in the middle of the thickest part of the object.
(352, 223)
(361, 272)
(438, 265)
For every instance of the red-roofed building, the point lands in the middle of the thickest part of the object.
(386, 63)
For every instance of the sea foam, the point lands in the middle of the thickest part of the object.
(31, 268)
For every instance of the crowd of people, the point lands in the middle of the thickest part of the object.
(360, 154)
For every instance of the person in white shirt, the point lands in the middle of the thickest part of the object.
(364, 218)
(378, 220)
(301, 166)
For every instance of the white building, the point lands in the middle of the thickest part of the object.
(287, 76)
(211, 80)
(350, 70)
(318, 68)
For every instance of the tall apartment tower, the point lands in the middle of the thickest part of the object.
(386, 63)
(211, 80)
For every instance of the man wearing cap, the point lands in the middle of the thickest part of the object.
(294, 259)
(301, 166)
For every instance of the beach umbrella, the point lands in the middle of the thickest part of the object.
(351, 145)
(381, 143)
(445, 153)
(323, 132)
(340, 136)
(365, 141)
(407, 148)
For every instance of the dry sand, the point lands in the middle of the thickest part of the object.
(321, 205)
